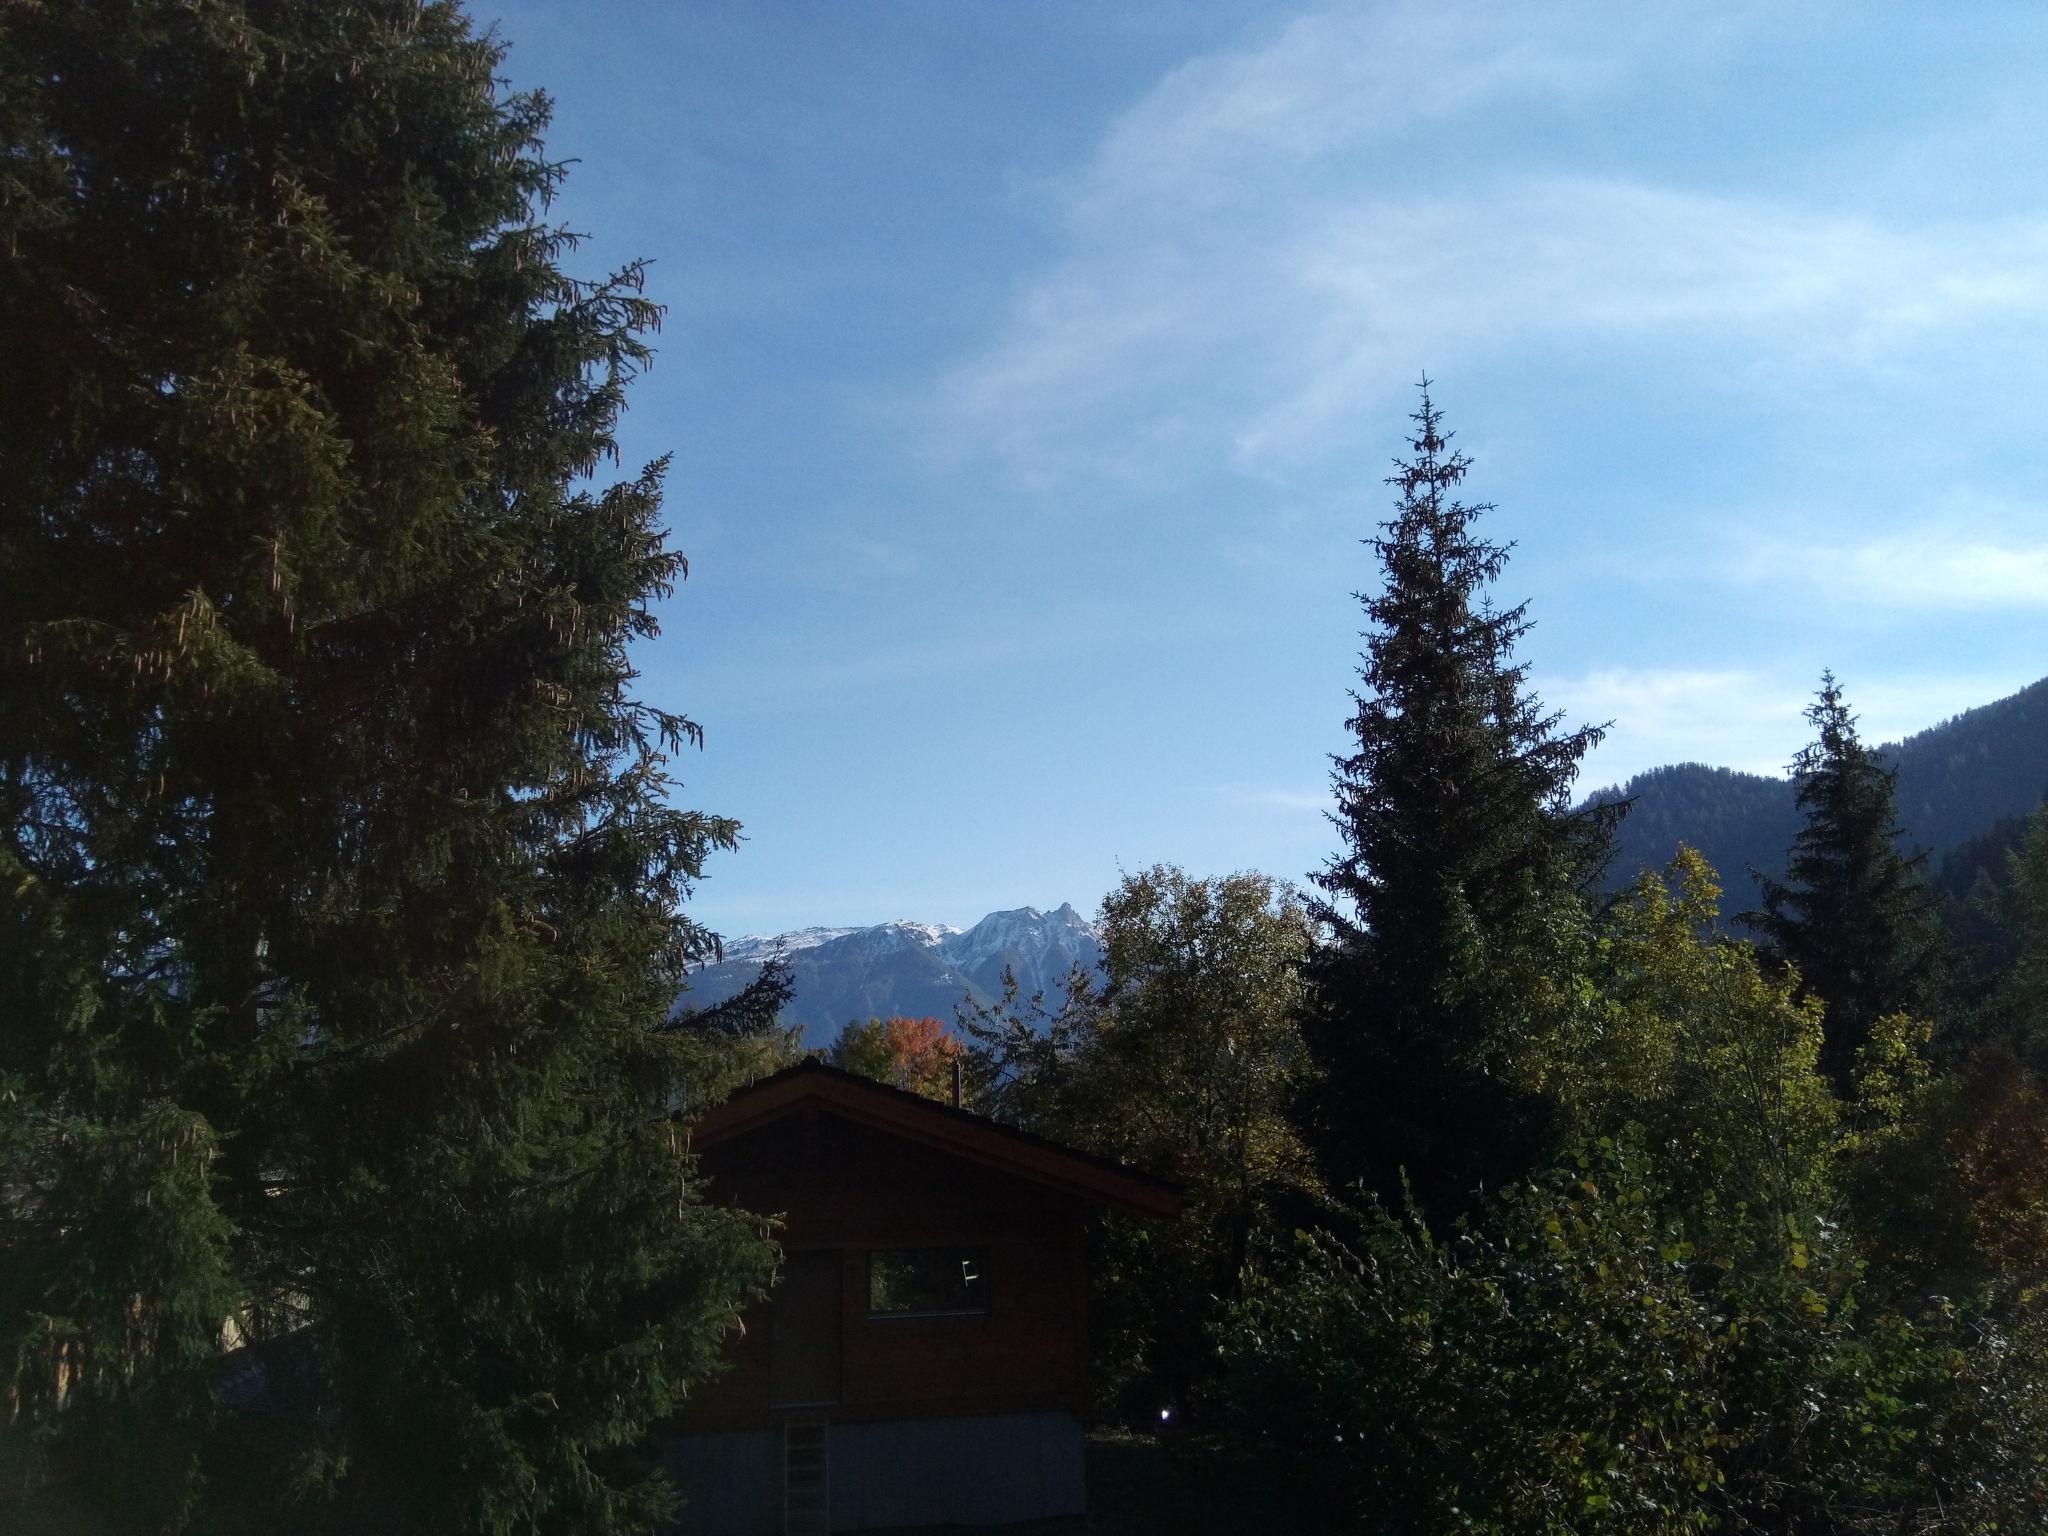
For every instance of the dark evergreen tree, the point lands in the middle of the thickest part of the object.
(1853, 914)
(1460, 854)
(339, 878)
(2017, 1009)
(1969, 884)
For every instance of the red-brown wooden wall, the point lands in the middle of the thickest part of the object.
(842, 1186)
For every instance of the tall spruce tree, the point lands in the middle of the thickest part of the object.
(1854, 915)
(1460, 853)
(339, 878)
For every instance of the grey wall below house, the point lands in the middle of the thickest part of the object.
(891, 1473)
(985, 1471)
(731, 1484)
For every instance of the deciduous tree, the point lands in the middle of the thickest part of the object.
(1183, 1057)
(1712, 1060)
(917, 1054)
(1577, 1360)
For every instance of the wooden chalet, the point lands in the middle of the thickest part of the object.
(924, 1357)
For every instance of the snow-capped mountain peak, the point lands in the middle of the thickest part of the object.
(927, 934)
(1022, 934)
(765, 946)
(907, 967)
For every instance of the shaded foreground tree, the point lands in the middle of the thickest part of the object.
(736, 1040)
(339, 881)
(1853, 915)
(1461, 854)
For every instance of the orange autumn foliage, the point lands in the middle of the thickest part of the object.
(1955, 1196)
(1998, 1140)
(917, 1054)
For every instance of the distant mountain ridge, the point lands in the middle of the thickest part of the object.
(1956, 781)
(905, 967)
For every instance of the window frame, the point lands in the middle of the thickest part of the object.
(936, 1255)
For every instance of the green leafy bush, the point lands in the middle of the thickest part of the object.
(1572, 1361)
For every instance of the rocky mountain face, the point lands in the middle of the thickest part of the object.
(905, 967)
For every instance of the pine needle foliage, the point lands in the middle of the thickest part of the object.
(339, 875)
(1854, 915)
(1460, 850)
(2019, 1007)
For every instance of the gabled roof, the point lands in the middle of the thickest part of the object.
(812, 1085)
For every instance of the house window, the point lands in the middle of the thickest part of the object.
(922, 1282)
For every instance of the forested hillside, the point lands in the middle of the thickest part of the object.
(1959, 777)
(1739, 821)
(1956, 781)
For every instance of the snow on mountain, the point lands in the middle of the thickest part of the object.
(1024, 930)
(758, 947)
(930, 933)
(1038, 948)
(905, 967)
(883, 937)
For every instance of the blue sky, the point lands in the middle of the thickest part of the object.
(1032, 369)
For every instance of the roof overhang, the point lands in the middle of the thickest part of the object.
(812, 1085)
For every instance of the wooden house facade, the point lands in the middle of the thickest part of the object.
(924, 1357)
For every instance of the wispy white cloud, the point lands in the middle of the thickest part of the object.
(1333, 80)
(1731, 718)
(1242, 270)
(1922, 570)
(1747, 719)
(1289, 800)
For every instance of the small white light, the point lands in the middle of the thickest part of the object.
(1165, 1414)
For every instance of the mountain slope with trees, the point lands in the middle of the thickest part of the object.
(1956, 780)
